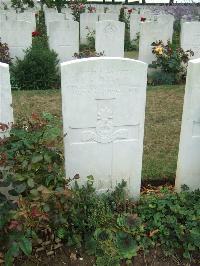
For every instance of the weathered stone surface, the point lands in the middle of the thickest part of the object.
(103, 105)
(110, 38)
(188, 167)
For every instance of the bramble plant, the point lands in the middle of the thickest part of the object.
(109, 226)
(172, 62)
(77, 7)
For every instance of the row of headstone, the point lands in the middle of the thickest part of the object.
(103, 108)
(64, 38)
(88, 23)
(27, 16)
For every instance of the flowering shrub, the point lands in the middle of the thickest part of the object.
(125, 17)
(170, 61)
(77, 7)
(35, 33)
(4, 53)
(91, 9)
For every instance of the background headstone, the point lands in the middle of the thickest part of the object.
(190, 37)
(108, 16)
(103, 106)
(87, 24)
(6, 110)
(29, 17)
(110, 38)
(134, 26)
(188, 166)
(150, 32)
(64, 38)
(18, 36)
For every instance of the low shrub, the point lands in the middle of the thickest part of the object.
(39, 68)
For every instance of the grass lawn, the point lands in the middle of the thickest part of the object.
(162, 126)
(131, 54)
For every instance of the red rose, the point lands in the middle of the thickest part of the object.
(142, 19)
(130, 10)
(35, 33)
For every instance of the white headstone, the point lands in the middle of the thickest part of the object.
(150, 32)
(64, 38)
(190, 37)
(29, 17)
(87, 24)
(134, 26)
(188, 167)
(18, 36)
(110, 38)
(6, 110)
(108, 16)
(103, 105)
(52, 16)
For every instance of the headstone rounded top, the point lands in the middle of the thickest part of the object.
(93, 59)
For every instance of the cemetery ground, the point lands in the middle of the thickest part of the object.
(162, 124)
(162, 129)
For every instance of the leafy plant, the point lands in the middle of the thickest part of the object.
(172, 62)
(4, 53)
(110, 226)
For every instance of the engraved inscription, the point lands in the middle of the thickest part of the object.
(110, 29)
(105, 131)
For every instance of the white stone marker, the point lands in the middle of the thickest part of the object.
(134, 26)
(103, 106)
(150, 32)
(18, 36)
(108, 16)
(110, 38)
(64, 38)
(87, 24)
(190, 37)
(29, 17)
(6, 110)
(188, 166)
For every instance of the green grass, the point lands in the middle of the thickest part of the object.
(131, 54)
(162, 125)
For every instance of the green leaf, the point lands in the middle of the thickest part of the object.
(19, 187)
(25, 245)
(31, 182)
(37, 158)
